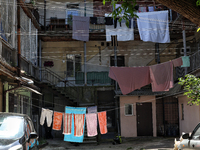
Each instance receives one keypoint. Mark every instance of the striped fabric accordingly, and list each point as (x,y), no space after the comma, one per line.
(67,124)
(78,124)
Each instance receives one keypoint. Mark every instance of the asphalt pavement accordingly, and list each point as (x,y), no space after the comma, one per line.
(137,143)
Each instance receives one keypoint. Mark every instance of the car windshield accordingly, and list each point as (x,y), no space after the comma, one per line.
(11,127)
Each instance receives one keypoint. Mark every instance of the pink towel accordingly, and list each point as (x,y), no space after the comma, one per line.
(102,122)
(130,78)
(161,76)
(91,120)
(177,62)
(78,124)
(67,124)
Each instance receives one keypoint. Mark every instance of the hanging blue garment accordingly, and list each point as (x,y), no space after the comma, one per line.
(71,137)
(186,61)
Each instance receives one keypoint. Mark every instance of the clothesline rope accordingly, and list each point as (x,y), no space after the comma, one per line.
(149,100)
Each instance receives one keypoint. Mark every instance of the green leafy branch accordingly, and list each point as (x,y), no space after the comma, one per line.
(125,11)
(198,2)
(191,86)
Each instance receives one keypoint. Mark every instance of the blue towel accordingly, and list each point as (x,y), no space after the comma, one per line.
(74,110)
(186,61)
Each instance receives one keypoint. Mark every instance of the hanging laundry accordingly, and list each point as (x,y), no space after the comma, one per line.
(151,8)
(81,28)
(123,32)
(130,78)
(102,122)
(71,137)
(186,61)
(57,120)
(153,26)
(67,125)
(109,21)
(93,20)
(91,120)
(92,109)
(177,62)
(79,120)
(100,20)
(161,76)
(46,113)
(142,9)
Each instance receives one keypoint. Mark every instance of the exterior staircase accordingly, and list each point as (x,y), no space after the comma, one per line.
(59,86)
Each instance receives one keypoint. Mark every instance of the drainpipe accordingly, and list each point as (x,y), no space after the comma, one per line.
(184,45)
(18,39)
(40,61)
(85,71)
(13,37)
(44,15)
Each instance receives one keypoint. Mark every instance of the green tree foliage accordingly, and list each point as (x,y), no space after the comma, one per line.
(198,3)
(191,86)
(127,7)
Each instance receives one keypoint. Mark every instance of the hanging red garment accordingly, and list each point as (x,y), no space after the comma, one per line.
(161,76)
(102,122)
(177,62)
(57,120)
(130,78)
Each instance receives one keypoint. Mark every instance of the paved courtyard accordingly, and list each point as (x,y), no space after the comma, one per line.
(139,143)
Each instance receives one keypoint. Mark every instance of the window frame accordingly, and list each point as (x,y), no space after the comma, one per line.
(131,109)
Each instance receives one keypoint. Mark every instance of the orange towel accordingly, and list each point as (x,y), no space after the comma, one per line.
(57,120)
(78,124)
(67,124)
(102,122)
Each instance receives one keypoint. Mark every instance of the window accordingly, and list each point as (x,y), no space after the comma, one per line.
(128,109)
(120,61)
(73,64)
(182,112)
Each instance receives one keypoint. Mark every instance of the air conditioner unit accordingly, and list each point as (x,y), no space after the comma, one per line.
(188,50)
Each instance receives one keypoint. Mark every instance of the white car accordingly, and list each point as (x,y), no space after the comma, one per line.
(189,140)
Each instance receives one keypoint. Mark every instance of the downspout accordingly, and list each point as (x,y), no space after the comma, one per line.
(13,38)
(19,40)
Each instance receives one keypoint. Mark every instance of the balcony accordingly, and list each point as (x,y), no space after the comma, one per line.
(94,78)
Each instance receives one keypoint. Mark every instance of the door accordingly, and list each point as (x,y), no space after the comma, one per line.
(144,119)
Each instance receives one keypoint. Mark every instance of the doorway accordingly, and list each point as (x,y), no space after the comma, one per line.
(144,119)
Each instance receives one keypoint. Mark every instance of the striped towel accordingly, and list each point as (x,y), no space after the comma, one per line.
(67,124)
(78,124)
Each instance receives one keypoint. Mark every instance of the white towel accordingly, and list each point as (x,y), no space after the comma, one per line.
(153,26)
(123,32)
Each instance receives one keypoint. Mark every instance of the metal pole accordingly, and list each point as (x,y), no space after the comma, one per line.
(40,61)
(13,38)
(44,15)
(184,45)
(18,39)
(85,71)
